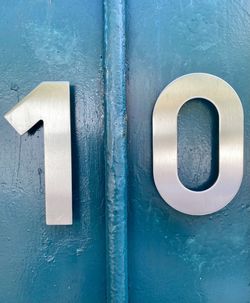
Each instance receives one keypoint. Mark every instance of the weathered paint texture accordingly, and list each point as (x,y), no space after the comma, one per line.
(175,257)
(115,151)
(52,40)
(171,257)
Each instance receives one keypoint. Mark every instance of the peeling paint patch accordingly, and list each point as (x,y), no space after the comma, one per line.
(51,45)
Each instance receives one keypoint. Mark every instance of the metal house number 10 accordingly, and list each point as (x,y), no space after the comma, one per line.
(50,102)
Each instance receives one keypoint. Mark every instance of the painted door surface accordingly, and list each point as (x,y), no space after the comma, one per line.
(46,40)
(126,244)
(174,257)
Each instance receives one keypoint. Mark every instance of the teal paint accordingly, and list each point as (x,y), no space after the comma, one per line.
(171,257)
(52,40)
(115,151)
(175,257)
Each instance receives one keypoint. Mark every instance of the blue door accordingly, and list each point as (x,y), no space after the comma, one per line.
(52,41)
(126,243)
(175,257)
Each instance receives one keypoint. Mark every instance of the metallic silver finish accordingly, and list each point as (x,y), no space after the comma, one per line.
(50,102)
(166,109)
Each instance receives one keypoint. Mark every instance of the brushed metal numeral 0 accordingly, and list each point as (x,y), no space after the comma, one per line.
(228,105)
(50,102)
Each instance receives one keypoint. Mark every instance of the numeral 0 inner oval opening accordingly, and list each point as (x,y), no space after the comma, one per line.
(198,144)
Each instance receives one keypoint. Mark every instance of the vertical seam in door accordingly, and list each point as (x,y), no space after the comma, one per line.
(115,150)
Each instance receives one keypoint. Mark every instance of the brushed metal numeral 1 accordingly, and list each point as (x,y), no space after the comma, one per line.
(230,111)
(50,102)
